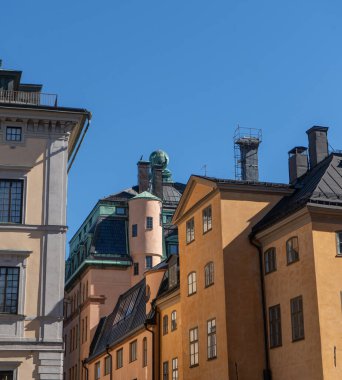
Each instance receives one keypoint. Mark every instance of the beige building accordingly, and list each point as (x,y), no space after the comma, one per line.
(37,140)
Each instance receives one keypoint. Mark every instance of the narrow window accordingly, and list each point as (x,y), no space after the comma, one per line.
(193,337)
(275,326)
(297,318)
(292,250)
(148,262)
(86,329)
(270,260)
(190,230)
(192,283)
(339,243)
(145,352)
(166,371)
(175,369)
(209,274)
(13,134)
(165,324)
(119,358)
(149,223)
(82,332)
(207,221)
(173,320)
(65,344)
(97,370)
(107,366)
(212,342)
(134,230)
(133,351)
(9,285)
(136,269)
(11,199)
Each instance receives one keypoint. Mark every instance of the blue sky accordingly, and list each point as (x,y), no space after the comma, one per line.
(180,75)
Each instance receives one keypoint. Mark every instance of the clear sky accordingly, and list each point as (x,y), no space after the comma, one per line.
(180,75)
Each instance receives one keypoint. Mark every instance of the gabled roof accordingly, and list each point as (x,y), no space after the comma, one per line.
(320,186)
(128,316)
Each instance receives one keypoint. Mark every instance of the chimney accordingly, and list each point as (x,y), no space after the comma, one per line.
(249,157)
(298,163)
(318,144)
(157,181)
(143,175)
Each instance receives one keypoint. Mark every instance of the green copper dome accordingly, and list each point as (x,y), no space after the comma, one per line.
(160,158)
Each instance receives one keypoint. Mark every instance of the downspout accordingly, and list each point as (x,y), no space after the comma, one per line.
(79,329)
(111,362)
(267,374)
(153,349)
(86,369)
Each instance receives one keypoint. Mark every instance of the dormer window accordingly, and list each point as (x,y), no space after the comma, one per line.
(13,133)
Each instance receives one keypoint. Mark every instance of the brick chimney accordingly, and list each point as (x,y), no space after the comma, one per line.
(144,175)
(157,181)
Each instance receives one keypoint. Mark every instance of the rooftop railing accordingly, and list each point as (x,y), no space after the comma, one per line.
(29,98)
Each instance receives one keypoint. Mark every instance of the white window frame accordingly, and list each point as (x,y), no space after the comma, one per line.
(190,230)
(194,346)
(192,283)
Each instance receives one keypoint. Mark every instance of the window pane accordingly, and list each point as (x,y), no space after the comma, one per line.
(297,318)
(9,285)
(11,201)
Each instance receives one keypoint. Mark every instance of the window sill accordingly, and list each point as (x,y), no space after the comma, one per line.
(272,271)
(209,285)
(292,262)
(339,255)
(298,339)
(189,242)
(277,346)
(192,294)
(213,358)
(205,232)
(194,365)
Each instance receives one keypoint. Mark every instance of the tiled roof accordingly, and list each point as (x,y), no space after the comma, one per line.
(322,185)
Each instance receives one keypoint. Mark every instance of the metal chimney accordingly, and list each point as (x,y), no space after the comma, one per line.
(298,163)
(318,144)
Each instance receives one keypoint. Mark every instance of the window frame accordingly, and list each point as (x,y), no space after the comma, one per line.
(211,336)
(107,367)
(174,320)
(134,230)
(289,258)
(207,219)
(209,274)
(192,283)
(145,352)
(149,223)
(270,265)
(3,302)
(136,269)
(148,258)
(190,230)
(297,316)
(166,370)
(338,243)
(119,358)
(274,325)
(133,352)
(165,324)
(194,347)
(10,211)
(15,140)
(97,370)
(175,368)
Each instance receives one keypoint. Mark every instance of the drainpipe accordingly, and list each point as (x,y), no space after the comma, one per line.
(153,349)
(79,328)
(267,371)
(86,368)
(111,362)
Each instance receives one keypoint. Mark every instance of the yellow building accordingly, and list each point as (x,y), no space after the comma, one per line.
(37,139)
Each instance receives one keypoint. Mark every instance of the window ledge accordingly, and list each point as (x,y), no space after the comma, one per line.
(292,262)
(189,242)
(205,232)
(209,285)
(194,365)
(274,270)
(213,358)
(298,339)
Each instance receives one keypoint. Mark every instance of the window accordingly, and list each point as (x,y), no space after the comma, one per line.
(133,351)
(270,260)
(192,284)
(107,365)
(207,225)
(190,230)
(97,370)
(134,230)
(148,262)
(11,199)
(209,274)
(339,243)
(173,320)
(145,352)
(193,337)
(136,269)
(292,250)
(275,326)
(175,369)
(212,343)
(166,371)
(9,285)
(173,249)
(173,276)
(13,134)
(119,358)
(86,329)
(297,318)
(165,324)
(149,223)
(120,211)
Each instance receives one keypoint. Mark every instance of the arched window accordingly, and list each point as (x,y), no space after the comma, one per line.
(145,352)
(173,320)
(192,283)
(209,274)
(292,250)
(165,324)
(270,260)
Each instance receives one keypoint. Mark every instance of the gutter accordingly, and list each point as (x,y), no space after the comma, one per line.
(267,373)
(111,362)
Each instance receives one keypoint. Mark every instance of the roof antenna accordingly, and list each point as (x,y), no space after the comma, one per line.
(204,167)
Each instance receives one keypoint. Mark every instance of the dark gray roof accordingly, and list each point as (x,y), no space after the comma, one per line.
(322,185)
(127,317)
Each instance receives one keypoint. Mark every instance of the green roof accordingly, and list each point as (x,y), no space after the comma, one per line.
(146,195)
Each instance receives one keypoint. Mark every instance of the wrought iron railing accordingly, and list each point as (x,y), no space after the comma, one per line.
(31,98)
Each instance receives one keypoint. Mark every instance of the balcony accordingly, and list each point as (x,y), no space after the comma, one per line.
(28,98)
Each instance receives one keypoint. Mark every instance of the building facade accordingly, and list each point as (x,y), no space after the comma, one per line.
(37,139)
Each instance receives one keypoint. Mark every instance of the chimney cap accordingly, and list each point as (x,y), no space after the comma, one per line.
(298,149)
(317,128)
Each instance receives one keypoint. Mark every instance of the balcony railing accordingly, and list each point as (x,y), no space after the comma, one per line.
(31,98)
